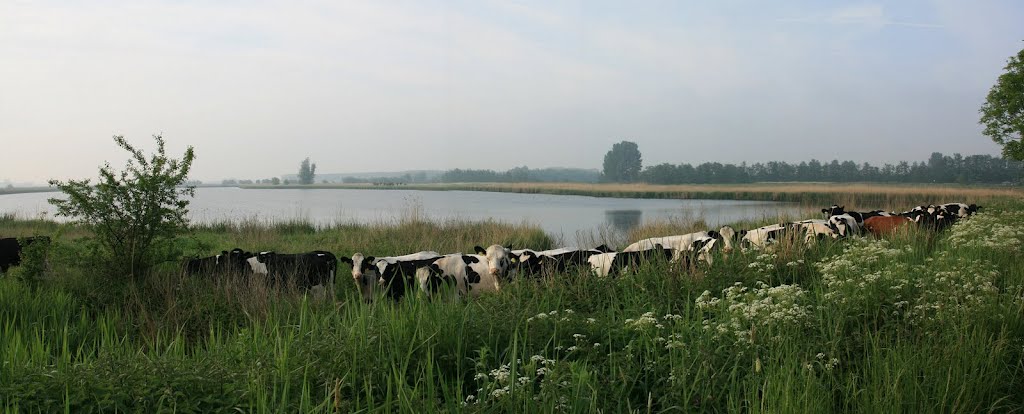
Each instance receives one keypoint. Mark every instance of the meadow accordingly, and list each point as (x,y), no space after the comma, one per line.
(919,322)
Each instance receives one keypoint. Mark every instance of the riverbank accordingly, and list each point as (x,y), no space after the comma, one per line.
(855,195)
(852,326)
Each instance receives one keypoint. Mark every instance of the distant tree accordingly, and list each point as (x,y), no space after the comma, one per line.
(623,162)
(135,214)
(275,181)
(1002,114)
(307,172)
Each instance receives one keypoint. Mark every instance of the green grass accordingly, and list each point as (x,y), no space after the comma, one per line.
(923,323)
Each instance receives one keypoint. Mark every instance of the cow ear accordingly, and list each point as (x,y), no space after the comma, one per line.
(470,259)
(742,233)
(479,250)
(435,269)
(714,234)
(369,259)
(824,210)
(346,259)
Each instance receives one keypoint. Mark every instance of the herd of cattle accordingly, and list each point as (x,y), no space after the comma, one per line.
(486,269)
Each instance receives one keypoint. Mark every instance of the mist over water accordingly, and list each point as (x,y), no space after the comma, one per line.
(566,218)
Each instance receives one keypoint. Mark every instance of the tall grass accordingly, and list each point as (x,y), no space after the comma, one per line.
(918,323)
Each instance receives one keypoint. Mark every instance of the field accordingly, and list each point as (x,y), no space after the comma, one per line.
(921,322)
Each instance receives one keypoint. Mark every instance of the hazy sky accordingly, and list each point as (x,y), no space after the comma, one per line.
(256,86)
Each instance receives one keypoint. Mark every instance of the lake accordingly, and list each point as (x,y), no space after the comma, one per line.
(564,217)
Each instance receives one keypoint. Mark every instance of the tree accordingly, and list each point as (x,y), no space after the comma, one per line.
(307,172)
(136,213)
(1002,114)
(623,162)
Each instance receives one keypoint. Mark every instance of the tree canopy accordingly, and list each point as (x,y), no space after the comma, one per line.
(307,172)
(1002,114)
(623,162)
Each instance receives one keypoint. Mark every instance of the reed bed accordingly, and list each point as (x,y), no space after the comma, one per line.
(915,323)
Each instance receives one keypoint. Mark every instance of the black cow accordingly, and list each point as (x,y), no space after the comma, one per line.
(10,250)
(614,263)
(305,270)
(837,210)
(234,262)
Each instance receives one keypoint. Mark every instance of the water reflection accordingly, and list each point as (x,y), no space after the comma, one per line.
(623,220)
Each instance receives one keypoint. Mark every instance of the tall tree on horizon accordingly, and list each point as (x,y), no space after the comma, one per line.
(1002,114)
(307,172)
(623,163)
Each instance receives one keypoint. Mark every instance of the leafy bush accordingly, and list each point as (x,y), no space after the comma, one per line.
(135,213)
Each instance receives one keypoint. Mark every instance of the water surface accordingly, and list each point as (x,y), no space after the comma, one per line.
(567,217)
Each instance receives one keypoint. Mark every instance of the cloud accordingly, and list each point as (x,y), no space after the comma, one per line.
(870,15)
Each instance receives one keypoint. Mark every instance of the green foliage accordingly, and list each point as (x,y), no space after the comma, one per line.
(307,172)
(622,163)
(33,261)
(1002,114)
(136,213)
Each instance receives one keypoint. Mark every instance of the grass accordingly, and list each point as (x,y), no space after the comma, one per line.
(917,323)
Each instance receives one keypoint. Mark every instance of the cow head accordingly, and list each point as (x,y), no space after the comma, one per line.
(499,258)
(364,273)
(840,225)
(728,237)
(973,208)
(834,210)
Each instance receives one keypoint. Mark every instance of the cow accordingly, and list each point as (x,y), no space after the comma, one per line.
(959,210)
(227,262)
(306,270)
(699,243)
(10,249)
(466,274)
(844,225)
(884,225)
(498,259)
(364,273)
(555,260)
(762,237)
(614,263)
(815,230)
(859,217)
(395,273)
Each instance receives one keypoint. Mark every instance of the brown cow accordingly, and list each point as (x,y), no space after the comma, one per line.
(883,225)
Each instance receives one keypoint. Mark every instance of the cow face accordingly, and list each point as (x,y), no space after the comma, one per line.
(364,273)
(834,210)
(498,258)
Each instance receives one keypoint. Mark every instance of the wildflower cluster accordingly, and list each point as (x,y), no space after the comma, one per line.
(955,286)
(536,378)
(1001,231)
(867,275)
(748,316)
(764,262)
(820,363)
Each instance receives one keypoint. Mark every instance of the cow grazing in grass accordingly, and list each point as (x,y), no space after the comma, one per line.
(885,225)
(762,237)
(816,230)
(10,249)
(844,225)
(227,262)
(698,243)
(305,270)
(615,263)
(555,260)
(461,274)
(393,273)
(959,210)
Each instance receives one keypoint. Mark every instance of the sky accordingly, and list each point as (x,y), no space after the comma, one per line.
(257,86)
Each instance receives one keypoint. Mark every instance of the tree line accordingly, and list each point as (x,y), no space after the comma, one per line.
(939,168)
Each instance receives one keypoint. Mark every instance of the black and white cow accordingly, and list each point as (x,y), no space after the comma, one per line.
(815,230)
(959,210)
(554,261)
(845,225)
(699,243)
(460,274)
(397,273)
(305,270)
(615,263)
(10,249)
(227,262)
(859,217)
(762,237)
